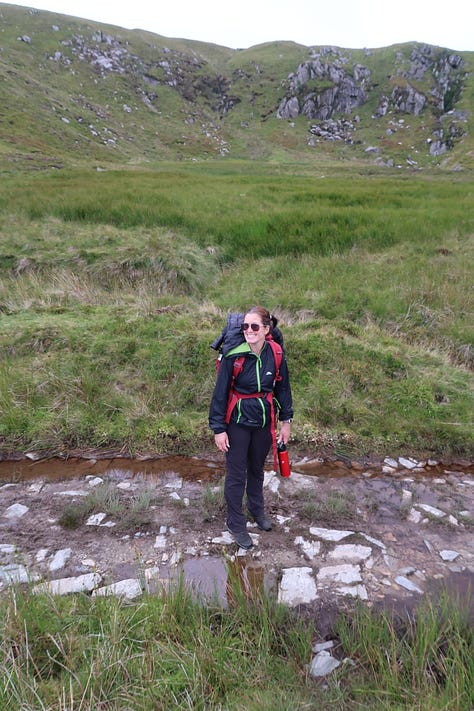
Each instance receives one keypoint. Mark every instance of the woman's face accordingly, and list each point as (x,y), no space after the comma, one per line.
(254,336)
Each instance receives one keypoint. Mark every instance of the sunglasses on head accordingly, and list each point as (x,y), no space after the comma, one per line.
(254,326)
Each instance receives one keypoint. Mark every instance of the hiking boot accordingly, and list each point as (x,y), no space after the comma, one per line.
(242,538)
(264,523)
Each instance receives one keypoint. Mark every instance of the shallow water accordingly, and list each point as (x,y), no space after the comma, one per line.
(57,469)
(190,468)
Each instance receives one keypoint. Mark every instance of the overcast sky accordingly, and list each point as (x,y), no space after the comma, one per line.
(243,23)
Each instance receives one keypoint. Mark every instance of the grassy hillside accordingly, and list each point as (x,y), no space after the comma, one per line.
(74,92)
(113,285)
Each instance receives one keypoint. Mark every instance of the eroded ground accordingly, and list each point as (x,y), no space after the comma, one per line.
(388,531)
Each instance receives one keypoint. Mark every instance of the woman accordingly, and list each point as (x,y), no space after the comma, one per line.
(245,434)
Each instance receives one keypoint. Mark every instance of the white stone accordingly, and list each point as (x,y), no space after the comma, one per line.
(391,462)
(14,573)
(34,456)
(407,584)
(271,481)
(352,551)
(36,487)
(329,534)
(41,555)
(407,463)
(322,664)
(297,587)
(128,589)
(414,516)
(359,591)
(175,484)
(453,520)
(16,511)
(175,496)
(160,541)
(151,573)
(347,574)
(89,563)
(407,496)
(95,519)
(282,519)
(322,646)
(437,513)
(449,555)
(226,538)
(388,470)
(124,485)
(468,482)
(66,586)
(7,548)
(60,559)
(310,548)
(94,480)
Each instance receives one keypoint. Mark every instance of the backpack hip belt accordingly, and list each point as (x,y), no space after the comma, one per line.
(235,396)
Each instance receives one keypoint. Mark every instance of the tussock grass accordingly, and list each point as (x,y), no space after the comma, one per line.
(422,660)
(127,512)
(170,651)
(106,316)
(336,509)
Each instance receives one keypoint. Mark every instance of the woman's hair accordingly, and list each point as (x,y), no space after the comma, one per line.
(267,318)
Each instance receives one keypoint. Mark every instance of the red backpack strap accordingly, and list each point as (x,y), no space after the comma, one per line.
(278,356)
(232,400)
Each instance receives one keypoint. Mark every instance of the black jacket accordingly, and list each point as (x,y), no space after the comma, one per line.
(257,375)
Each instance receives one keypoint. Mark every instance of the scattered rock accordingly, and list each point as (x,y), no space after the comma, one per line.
(323,664)
(297,587)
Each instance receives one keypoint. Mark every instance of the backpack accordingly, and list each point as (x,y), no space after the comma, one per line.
(231,336)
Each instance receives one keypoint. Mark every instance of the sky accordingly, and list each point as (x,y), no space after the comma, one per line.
(352,24)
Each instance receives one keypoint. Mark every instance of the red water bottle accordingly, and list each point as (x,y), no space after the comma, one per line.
(283,460)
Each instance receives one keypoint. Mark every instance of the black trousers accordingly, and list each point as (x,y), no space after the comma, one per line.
(245,460)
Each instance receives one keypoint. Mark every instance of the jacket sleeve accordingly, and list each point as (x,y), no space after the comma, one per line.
(283,393)
(218,407)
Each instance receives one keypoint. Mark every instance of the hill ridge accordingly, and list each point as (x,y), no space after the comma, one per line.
(76,91)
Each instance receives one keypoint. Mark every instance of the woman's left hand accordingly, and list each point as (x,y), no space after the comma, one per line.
(285,429)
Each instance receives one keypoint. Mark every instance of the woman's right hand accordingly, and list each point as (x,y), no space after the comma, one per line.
(222,441)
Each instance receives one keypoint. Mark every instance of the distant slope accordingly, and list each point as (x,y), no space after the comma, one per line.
(73,91)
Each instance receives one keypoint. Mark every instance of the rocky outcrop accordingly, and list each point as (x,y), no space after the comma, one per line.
(319,89)
(327,85)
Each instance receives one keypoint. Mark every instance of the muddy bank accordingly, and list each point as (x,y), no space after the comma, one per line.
(386,532)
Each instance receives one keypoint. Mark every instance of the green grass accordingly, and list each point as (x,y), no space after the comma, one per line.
(423,660)
(127,513)
(113,285)
(169,651)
